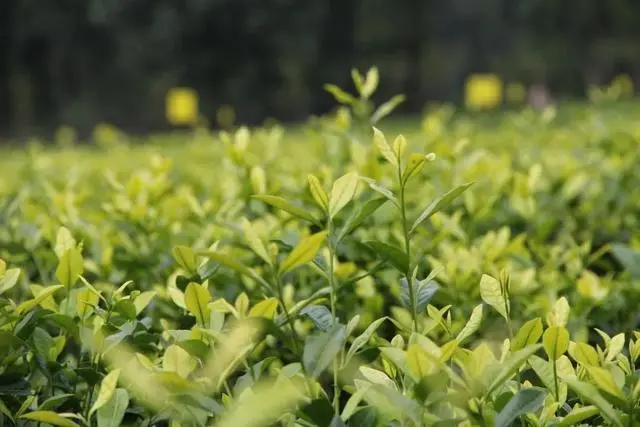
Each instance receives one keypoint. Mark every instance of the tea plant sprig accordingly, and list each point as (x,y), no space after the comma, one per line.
(417,293)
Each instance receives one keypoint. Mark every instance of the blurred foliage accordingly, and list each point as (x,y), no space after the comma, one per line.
(83,62)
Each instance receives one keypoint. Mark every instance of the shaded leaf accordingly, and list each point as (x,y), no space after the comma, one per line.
(320,349)
(525,401)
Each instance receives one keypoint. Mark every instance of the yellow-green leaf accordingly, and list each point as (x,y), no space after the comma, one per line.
(49,417)
(186,258)
(555,341)
(318,192)
(605,381)
(615,346)
(418,361)
(70,267)
(304,252)
(280,203)
(559,314)
(585,354)
(528,334)
(399,145)
(590,394)
(383,146)
(370,82)
(86,300)
(254,241)
(143,300)
(29,304)
(472,325)
(414,165)
(491,293)
(178,360)
(266,308)
(196,298)
(107,387)
(343,190)
(64,241)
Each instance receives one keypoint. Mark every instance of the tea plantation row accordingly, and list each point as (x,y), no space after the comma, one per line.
(464,272)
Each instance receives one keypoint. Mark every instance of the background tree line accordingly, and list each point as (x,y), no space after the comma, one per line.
(79,62)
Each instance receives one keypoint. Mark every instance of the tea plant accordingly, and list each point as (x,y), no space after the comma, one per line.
(467,273)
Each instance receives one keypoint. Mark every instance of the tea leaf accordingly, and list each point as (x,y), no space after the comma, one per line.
(615,346)
(559,316)
(419,363)
(585,354)
(64,242)
(395,256)
(590,394)
(320,315)
(29,304)
(263,406)
(320,349)
(577,415)
(511,365)
(186,258)
(196,299)
(472,325)
(386,108)
(384,148)
(265,308)
(112,413)
(491,293)
(286,206)
(49,417)
(340,95)
(9,280)
(318,192)
(528,334)
(605,381)
(361,213)
(70,267)
(525,401)
(362,339)
(399,146)
(178,360)
(342,192)
(440,203)
(370,83)
(556,341)
(107,388)
(304,252)
(255,243)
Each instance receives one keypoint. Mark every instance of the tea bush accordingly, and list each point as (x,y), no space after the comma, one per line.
(474,270)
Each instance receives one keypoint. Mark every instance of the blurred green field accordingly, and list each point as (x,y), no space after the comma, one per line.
(546,234)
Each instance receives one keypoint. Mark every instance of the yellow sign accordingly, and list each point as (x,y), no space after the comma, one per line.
(483,91)
(182,106)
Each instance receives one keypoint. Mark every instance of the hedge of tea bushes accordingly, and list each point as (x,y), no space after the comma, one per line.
(461,270)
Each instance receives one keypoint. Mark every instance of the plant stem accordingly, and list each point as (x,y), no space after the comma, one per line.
(294,334)
(555,380)
(407,248)
(333,297)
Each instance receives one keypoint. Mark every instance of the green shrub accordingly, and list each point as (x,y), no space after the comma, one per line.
(469,272)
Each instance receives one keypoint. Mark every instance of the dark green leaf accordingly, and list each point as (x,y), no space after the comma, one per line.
(320,349)
(395,256)
(525,401)
(320,315)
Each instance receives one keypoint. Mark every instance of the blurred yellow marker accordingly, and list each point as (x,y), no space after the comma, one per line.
(483,91)
(182,106)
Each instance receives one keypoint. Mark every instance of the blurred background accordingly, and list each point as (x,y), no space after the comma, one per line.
(81,62)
